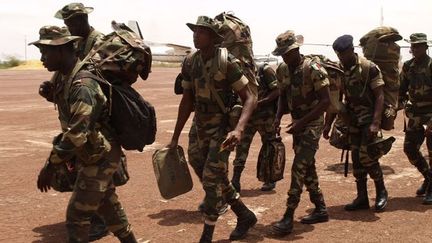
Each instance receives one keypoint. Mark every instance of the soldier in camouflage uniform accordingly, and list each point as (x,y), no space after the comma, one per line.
(416,92)
(363,90)
(86,137)
(307,99)
(75,17)
(204,86)
(261,121)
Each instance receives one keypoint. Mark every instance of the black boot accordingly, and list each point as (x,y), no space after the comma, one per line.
(362,200)
(285,225)
(428,197)
(268,186)
(246,219)
(320,212)
(235,181)
(98,229)
(207,234)
(130,238)
(421,191)
(381,195)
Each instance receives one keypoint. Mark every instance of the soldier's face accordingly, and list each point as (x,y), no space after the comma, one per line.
(419,49)
(50,57)
(346,57)
(76,24)
(291,57)
(202,38)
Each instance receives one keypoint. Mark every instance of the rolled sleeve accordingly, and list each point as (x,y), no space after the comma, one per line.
(240,84)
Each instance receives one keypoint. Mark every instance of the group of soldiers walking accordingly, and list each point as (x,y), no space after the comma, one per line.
(215,84)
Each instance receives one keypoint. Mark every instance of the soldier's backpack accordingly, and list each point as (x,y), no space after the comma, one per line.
(335,74)
(271,161)
(120,56)
(172,172)
(238,41)
(132,117)
(379,46)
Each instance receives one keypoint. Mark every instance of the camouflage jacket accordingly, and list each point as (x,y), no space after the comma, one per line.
(267,82)
(301,93)
(416,85)
(83,115)
(357,86)
(85,45)
(199,75)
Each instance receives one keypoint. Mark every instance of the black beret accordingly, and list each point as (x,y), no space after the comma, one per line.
(343,43)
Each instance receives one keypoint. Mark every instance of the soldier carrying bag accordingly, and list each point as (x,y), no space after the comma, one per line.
(172,172)
(271,161)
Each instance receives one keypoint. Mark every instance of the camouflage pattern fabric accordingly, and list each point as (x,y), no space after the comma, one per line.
(262,118)
(85,45)
(302,97)
(303,170)
(416,90)
(194,153)
(301,93)
(212,125)
(362,164)
(358,91)
(87,138)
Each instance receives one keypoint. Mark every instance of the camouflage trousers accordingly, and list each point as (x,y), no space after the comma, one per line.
(414,138)
(362,165)
(214,162)
(94,193)
(262,125)
(303,170)
(194,154)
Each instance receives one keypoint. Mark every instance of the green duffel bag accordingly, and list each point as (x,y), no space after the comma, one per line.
(271,161)
(172,172)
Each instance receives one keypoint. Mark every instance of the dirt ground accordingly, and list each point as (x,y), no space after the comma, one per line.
(28,124)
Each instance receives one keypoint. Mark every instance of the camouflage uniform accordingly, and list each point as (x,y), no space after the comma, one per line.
(88,139)
(301,95)
(416,92)
(212,126)
(261,120)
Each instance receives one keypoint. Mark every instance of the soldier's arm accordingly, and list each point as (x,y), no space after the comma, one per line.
(271,80)
(403,89)
(376,85)
(83,101)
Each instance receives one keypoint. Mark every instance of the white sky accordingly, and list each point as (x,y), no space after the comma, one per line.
(164,21)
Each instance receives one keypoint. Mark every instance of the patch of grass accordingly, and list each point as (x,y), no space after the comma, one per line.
(10,61)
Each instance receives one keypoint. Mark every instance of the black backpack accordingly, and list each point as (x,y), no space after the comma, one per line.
(132,117)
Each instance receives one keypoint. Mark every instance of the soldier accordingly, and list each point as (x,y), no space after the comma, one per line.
(416,92)
(75,17)
(261,121)
(304,91)
(86,137)
(363,90)
(204,87)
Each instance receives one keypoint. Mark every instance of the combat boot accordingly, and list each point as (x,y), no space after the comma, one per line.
(381,195)
(130,238)
(427,200)
(362,200)
(319,214)
(235,181)
(285,225)
(268,186)
(421,191)
(98,229)
(207,234)
(246,219)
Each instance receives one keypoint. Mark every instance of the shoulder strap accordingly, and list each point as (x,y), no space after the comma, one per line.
(223,60)
(307,69)
(90,41)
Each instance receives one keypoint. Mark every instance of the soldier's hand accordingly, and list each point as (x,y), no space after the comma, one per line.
(46,90)
(233,138)
(276,125)
(44,178)
(173,144)
(295,127)
(373,130)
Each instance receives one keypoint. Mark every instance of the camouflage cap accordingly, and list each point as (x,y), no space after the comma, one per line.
(286,42)
(54,36)
(379,147)
(206,22)
(417,38)
(72,9)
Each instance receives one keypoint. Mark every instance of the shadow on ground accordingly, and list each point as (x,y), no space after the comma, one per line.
(172,217)
(51,233)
